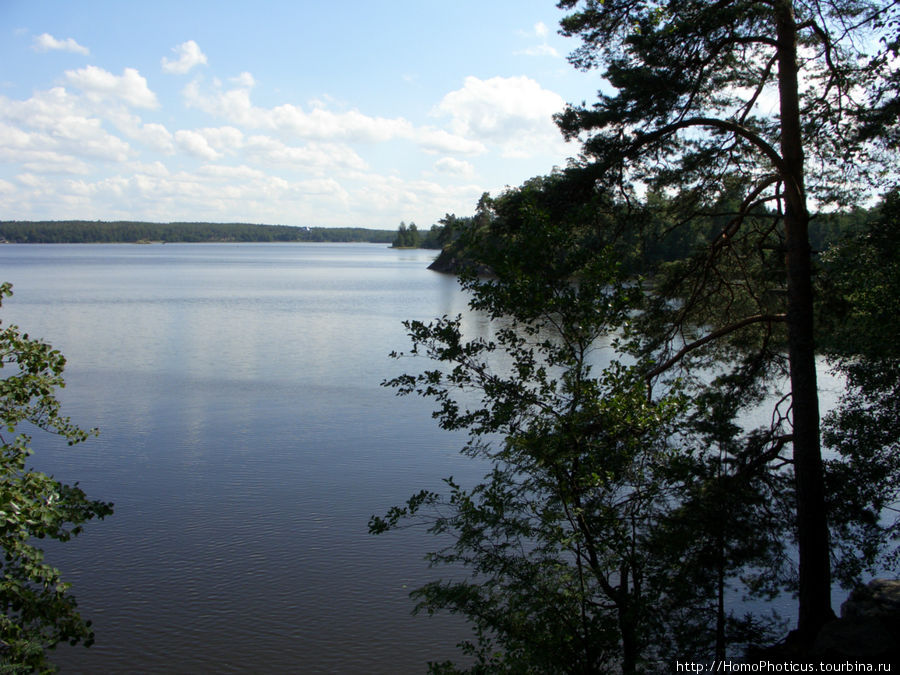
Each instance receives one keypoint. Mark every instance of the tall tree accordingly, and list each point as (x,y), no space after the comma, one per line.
(556,534)
(740,98)
(402,238)
(606,531)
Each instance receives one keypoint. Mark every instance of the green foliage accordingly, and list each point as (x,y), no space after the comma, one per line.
(439,236)
(686,77)
(407,236)
(712,509)
(860,309)
(38,611)
(612,522)
(653,231)
(858,290)
(593,478)
(446,231)
(683,117)
(623,506)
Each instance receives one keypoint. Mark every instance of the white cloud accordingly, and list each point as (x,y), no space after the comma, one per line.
(32,181)
(42,111)
(155,136)
(514,113)
(540,31)
(12,138)
(157,168)
(150,191)
(52,162)
(327,187)
(46,42)
(392,197)
(152,135)
(189,55)
(53,121)
(539,50)
(95,142)
(439,140)
(319,123)
(195,144)
(37,152)
(130,87)
(244,80)
(319,162)
(211,193)
(454,167)
(224,139)
(242,173)
(312,158)
(233,105)
(325,124)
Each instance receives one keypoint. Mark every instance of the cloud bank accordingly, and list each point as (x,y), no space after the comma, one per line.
(123,146)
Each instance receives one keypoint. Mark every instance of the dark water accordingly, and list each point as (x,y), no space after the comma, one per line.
(245,441)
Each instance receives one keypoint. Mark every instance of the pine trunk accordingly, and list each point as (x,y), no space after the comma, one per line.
(812,527)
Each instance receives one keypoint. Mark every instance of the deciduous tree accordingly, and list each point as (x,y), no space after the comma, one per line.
(38,611)
(606,531)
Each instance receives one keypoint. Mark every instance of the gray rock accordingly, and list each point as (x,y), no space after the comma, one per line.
(869,628)
(880,599)
(868,632)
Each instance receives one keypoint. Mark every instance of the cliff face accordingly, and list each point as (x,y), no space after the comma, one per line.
(451,262)
(445,263)
(869,628)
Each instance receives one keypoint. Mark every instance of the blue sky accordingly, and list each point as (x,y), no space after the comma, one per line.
(357,113)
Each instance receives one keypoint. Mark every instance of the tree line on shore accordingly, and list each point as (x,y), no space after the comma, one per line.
(826,229)
(98,232)
(409,236)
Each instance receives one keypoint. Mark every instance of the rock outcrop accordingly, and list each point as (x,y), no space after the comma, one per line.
(869,628)
(868,632)
(452,262)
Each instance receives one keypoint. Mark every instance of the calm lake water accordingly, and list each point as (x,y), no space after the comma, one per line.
(246,441)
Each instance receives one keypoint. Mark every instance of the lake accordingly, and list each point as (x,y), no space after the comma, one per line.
(245,440)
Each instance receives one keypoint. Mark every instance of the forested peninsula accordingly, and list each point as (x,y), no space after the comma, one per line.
(105,232)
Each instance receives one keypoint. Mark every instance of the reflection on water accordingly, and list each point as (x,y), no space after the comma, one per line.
(245,441)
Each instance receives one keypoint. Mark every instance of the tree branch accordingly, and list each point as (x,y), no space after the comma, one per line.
(795,192)
(725,330)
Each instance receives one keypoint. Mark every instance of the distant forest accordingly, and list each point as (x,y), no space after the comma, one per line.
(95,232)
(824,229)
